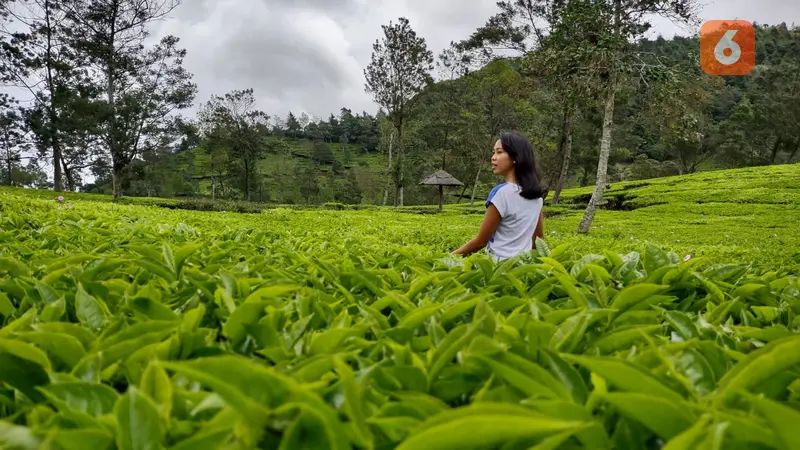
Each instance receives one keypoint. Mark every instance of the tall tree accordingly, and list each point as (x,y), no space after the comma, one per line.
(607,49)
(232,122)
(522,27)
(141,85)
(293,127)
(399,69)
(437,123)
(676,111)
(11,141)
(776,111)
(40,60)
(494,103)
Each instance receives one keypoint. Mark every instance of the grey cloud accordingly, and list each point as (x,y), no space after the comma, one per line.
(198,12)
(279,63)
(339,8)
(309,55)
(305,55)
(294,58)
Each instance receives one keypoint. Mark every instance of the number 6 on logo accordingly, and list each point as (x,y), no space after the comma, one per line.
(727,43)
(727,47)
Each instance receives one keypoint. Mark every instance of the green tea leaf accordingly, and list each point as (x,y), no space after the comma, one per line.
(81,439)
(758,366)
(654,258)
(354,401)
(483,425)
(156,385)
(90,398)
(781,418)
(629,296)
(139,427)
(248,387)
(626,376)
(91,312)
(205,440)
(665,418)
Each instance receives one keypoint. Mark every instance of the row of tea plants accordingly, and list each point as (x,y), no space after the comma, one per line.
(121,331)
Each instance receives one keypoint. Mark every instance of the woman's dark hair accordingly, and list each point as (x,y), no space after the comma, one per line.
(526,168)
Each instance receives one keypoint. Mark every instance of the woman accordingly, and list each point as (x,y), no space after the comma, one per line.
(514,210)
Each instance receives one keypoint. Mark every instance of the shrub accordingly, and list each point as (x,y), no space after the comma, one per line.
(126,326)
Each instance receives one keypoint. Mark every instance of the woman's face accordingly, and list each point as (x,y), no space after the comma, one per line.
(501,161)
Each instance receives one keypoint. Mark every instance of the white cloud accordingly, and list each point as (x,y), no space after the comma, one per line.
(310,55)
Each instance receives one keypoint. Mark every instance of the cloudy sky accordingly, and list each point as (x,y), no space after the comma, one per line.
(309,55)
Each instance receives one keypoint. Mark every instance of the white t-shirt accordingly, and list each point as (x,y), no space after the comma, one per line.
(519,217)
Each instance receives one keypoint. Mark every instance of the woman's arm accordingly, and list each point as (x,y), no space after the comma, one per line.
(490,221)
(539,228)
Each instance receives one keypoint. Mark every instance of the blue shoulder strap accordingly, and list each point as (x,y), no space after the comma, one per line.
(493,193)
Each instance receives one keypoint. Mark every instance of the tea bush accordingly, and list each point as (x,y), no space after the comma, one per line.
(139,327)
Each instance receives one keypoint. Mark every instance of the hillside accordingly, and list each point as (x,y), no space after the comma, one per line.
(738,121)
(289,158)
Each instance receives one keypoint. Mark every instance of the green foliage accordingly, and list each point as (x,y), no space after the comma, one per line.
(399,69)
(132,326)
(138,85)
(234,128)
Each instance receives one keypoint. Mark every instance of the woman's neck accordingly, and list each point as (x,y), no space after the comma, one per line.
(510,178)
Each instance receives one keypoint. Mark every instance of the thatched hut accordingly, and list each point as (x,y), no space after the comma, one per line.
(441,178)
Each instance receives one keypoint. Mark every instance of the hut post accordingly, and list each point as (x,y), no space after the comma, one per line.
(441,197)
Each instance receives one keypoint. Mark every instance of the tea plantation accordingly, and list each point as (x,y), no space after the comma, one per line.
(672,325)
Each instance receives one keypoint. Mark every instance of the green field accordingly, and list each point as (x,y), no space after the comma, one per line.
(131,325)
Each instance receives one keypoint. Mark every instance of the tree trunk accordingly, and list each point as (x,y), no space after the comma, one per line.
(551,173)
(118,157)
(400,191)
(562,177)
(7,146)
(388,170)
(794,152)
(8,163)
(400,160)
(475,186)
(116,180)
(774,152)
(51,107)
(585,177)
(683,159)
(57,174)
(602,165)
(246,180)
(461,195)
(69,174)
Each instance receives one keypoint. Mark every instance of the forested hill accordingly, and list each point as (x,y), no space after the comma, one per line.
(662,125)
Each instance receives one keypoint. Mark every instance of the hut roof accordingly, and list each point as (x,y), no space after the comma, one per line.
(441,178)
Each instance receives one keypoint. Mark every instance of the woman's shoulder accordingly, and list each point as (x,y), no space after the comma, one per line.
(497,188)
(493,194)
(506,187)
